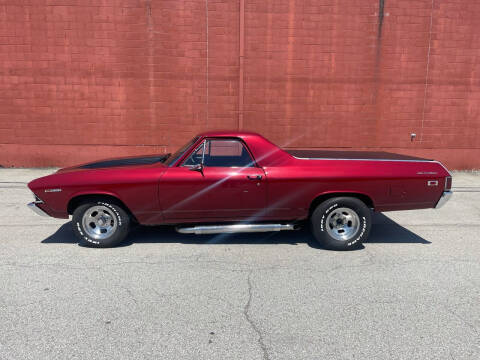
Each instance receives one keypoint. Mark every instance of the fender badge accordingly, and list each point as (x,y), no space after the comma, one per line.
(427,173)
(53,190)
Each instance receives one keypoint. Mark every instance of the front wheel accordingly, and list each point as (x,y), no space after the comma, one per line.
(100,224)
(341,223)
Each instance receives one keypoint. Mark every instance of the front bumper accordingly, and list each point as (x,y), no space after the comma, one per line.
(36,209)
(443,199)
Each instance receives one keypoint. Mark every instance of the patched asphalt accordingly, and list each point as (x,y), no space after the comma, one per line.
(413,291)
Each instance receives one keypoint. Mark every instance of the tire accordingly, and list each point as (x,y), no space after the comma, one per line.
(100,224)
(341,223)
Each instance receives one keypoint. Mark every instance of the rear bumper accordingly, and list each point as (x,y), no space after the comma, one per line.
(36,209)
(443,199)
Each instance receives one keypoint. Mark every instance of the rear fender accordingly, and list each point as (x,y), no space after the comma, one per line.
(319,198)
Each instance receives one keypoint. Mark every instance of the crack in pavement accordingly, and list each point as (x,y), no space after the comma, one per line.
(462,319)
(130,293)
(255,328)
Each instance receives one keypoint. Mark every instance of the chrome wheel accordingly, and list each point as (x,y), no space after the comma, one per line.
(99,222)
(342,224)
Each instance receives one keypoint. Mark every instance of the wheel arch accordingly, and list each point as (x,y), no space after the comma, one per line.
(79,199)
(367,200)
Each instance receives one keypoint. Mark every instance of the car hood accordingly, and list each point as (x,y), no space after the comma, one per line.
(118,162)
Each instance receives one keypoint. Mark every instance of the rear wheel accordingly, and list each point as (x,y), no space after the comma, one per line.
(341,223)
(100,224)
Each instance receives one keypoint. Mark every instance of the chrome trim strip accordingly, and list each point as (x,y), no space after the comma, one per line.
(203,151)
(237,228)
(366,159)
(443,199)
(427,173)
(395,160)
(36,209)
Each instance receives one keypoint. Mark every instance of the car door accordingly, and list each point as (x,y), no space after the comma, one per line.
(219,180)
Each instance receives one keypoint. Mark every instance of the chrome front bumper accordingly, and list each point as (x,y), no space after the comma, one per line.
(443,199)
(36,209)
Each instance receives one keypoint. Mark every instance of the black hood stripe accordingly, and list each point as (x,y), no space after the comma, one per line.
(144,160)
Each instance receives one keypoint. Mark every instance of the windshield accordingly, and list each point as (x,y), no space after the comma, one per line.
(178,154)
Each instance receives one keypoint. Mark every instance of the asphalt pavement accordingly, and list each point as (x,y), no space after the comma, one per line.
(413,291)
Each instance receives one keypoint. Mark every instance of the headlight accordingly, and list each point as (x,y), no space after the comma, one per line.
(36,199)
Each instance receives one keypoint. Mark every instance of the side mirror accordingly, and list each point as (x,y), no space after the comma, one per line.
(197,167)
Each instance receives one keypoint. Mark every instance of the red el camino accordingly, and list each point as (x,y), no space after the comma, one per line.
(222,182)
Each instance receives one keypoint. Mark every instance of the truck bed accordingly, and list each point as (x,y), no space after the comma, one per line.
(351,155)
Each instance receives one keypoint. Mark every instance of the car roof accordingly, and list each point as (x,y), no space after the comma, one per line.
(228,133)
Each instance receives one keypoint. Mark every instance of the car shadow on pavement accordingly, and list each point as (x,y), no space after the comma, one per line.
(384,230)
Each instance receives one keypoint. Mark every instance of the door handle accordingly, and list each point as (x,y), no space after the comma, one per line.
(254,177)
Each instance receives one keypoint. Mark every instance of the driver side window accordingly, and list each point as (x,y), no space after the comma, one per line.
(196,157)
(220,153)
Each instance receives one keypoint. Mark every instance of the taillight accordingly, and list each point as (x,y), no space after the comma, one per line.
(448,183)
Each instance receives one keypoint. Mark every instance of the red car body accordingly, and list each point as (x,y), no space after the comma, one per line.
(280,186)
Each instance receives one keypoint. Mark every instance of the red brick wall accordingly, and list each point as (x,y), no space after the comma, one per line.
(86,79)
